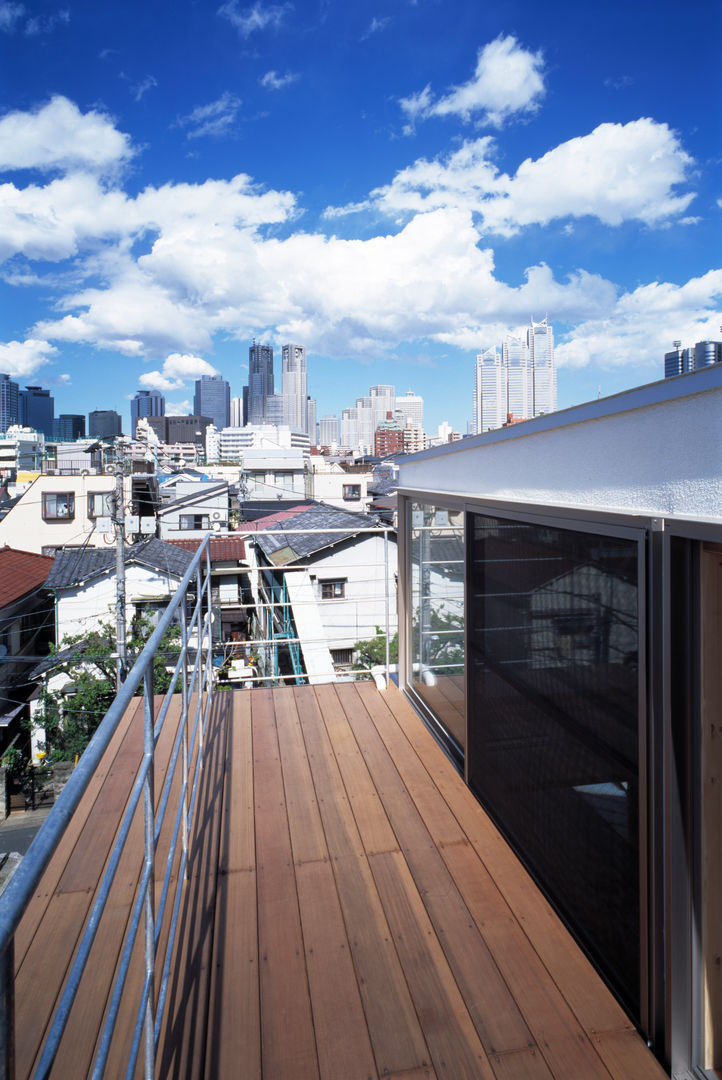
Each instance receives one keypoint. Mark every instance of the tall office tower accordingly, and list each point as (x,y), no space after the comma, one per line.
(328,431)
(674,361)
(383,400)
(212,398)
(411,407)
(9,402)
(515,356)
(349,428)
(274,410)
(37,409)
(540,342)
(260,381)
(366,424)
(104,424)
(237,417)
(293,387)
(146,403)
(69,426)
(707,353)
(490,394)
(311,415)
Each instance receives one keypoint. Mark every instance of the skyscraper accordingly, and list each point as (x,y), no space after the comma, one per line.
(293,387)
(104,423)
(260,381)
(540,341)
(68,427)
(383,401)
(515,354)
(411,407)
(212,398)
(9,402)
(146,403)
(328,430)
(37,409)
(490,395)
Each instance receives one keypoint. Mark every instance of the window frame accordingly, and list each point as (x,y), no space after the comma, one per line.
(333,584)
(55,496)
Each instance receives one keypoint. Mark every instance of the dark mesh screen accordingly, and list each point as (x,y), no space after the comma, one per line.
(553,721)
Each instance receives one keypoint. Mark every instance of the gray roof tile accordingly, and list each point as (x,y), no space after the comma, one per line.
(315,520)
(73,567)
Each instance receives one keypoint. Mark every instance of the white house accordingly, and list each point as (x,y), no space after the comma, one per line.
(329,482)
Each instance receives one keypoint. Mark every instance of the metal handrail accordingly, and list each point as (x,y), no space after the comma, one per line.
(27,877)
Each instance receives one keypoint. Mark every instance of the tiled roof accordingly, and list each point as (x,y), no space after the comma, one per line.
(20,573)
(266,521)
(222,548)
(74,567)
(282,548)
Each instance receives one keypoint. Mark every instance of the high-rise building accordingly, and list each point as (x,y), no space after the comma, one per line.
(389,436)
(328,431)
(680,361)
(411,407)
(237,414)
(383,401)
(212,398)
(37,409)
(521,382)
(515,354)
(293,387)
(490,395)
(146,403)
(540,342)
(68,426)
(260,381)
(311,415)
(9,402)
(104,424)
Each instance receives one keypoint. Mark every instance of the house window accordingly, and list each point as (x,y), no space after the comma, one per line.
(352,492)
(58,505)
(342,657)
(99,504)
(333,590)
(194,521)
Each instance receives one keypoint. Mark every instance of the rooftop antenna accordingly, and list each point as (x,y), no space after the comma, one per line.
(677,344)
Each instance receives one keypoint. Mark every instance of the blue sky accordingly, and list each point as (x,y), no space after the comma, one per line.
(394,184)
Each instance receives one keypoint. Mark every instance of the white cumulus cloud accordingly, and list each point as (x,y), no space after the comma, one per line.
(177,370)
(59,136)
(249,20)
(508,81)
(23,358)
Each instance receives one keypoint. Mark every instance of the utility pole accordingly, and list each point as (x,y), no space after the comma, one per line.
(119,522)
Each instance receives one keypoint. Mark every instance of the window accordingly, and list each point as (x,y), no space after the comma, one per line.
(194,521)
(352,492)
(58,506)
(333,590)
(342,657)
(99,504)
(553,720)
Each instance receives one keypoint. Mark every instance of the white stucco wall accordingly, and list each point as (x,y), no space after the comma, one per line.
(656,450)
(80,610)
(24,527)
(362,565)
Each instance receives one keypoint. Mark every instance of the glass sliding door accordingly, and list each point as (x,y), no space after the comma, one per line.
(436,587)
(552,648)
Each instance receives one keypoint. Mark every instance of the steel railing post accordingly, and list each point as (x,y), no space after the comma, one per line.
(149,808)
(386,603)
(184,725)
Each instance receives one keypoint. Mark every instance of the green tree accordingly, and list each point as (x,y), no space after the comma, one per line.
(372,651)
(71,715)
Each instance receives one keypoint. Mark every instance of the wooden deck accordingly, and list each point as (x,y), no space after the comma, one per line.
(351,913)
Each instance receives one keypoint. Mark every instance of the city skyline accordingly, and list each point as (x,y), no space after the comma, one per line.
(396,188)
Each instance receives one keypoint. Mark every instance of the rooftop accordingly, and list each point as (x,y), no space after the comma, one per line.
(75,566)
(20,573)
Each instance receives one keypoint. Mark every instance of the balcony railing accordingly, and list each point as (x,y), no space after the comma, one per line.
(192,677)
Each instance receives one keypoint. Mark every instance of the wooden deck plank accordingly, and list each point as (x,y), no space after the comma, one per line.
(48,883)
(234,1014)
(306,831)
(287,1043)
(593,1004)
(344,1048)
(456,1050)
(494,1011)
(520,1065)
(371,819)
(398,1043)
(625,1055)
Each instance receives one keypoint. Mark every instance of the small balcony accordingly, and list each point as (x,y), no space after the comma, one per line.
(347,910)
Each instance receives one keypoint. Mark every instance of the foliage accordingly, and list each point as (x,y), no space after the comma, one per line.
(71,715)
(372,651)
(14,762)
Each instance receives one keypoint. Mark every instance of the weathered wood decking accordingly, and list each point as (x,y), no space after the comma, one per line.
(351,913)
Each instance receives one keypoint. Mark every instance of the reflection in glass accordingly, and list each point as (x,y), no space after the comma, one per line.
(437,603)
(553,721)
